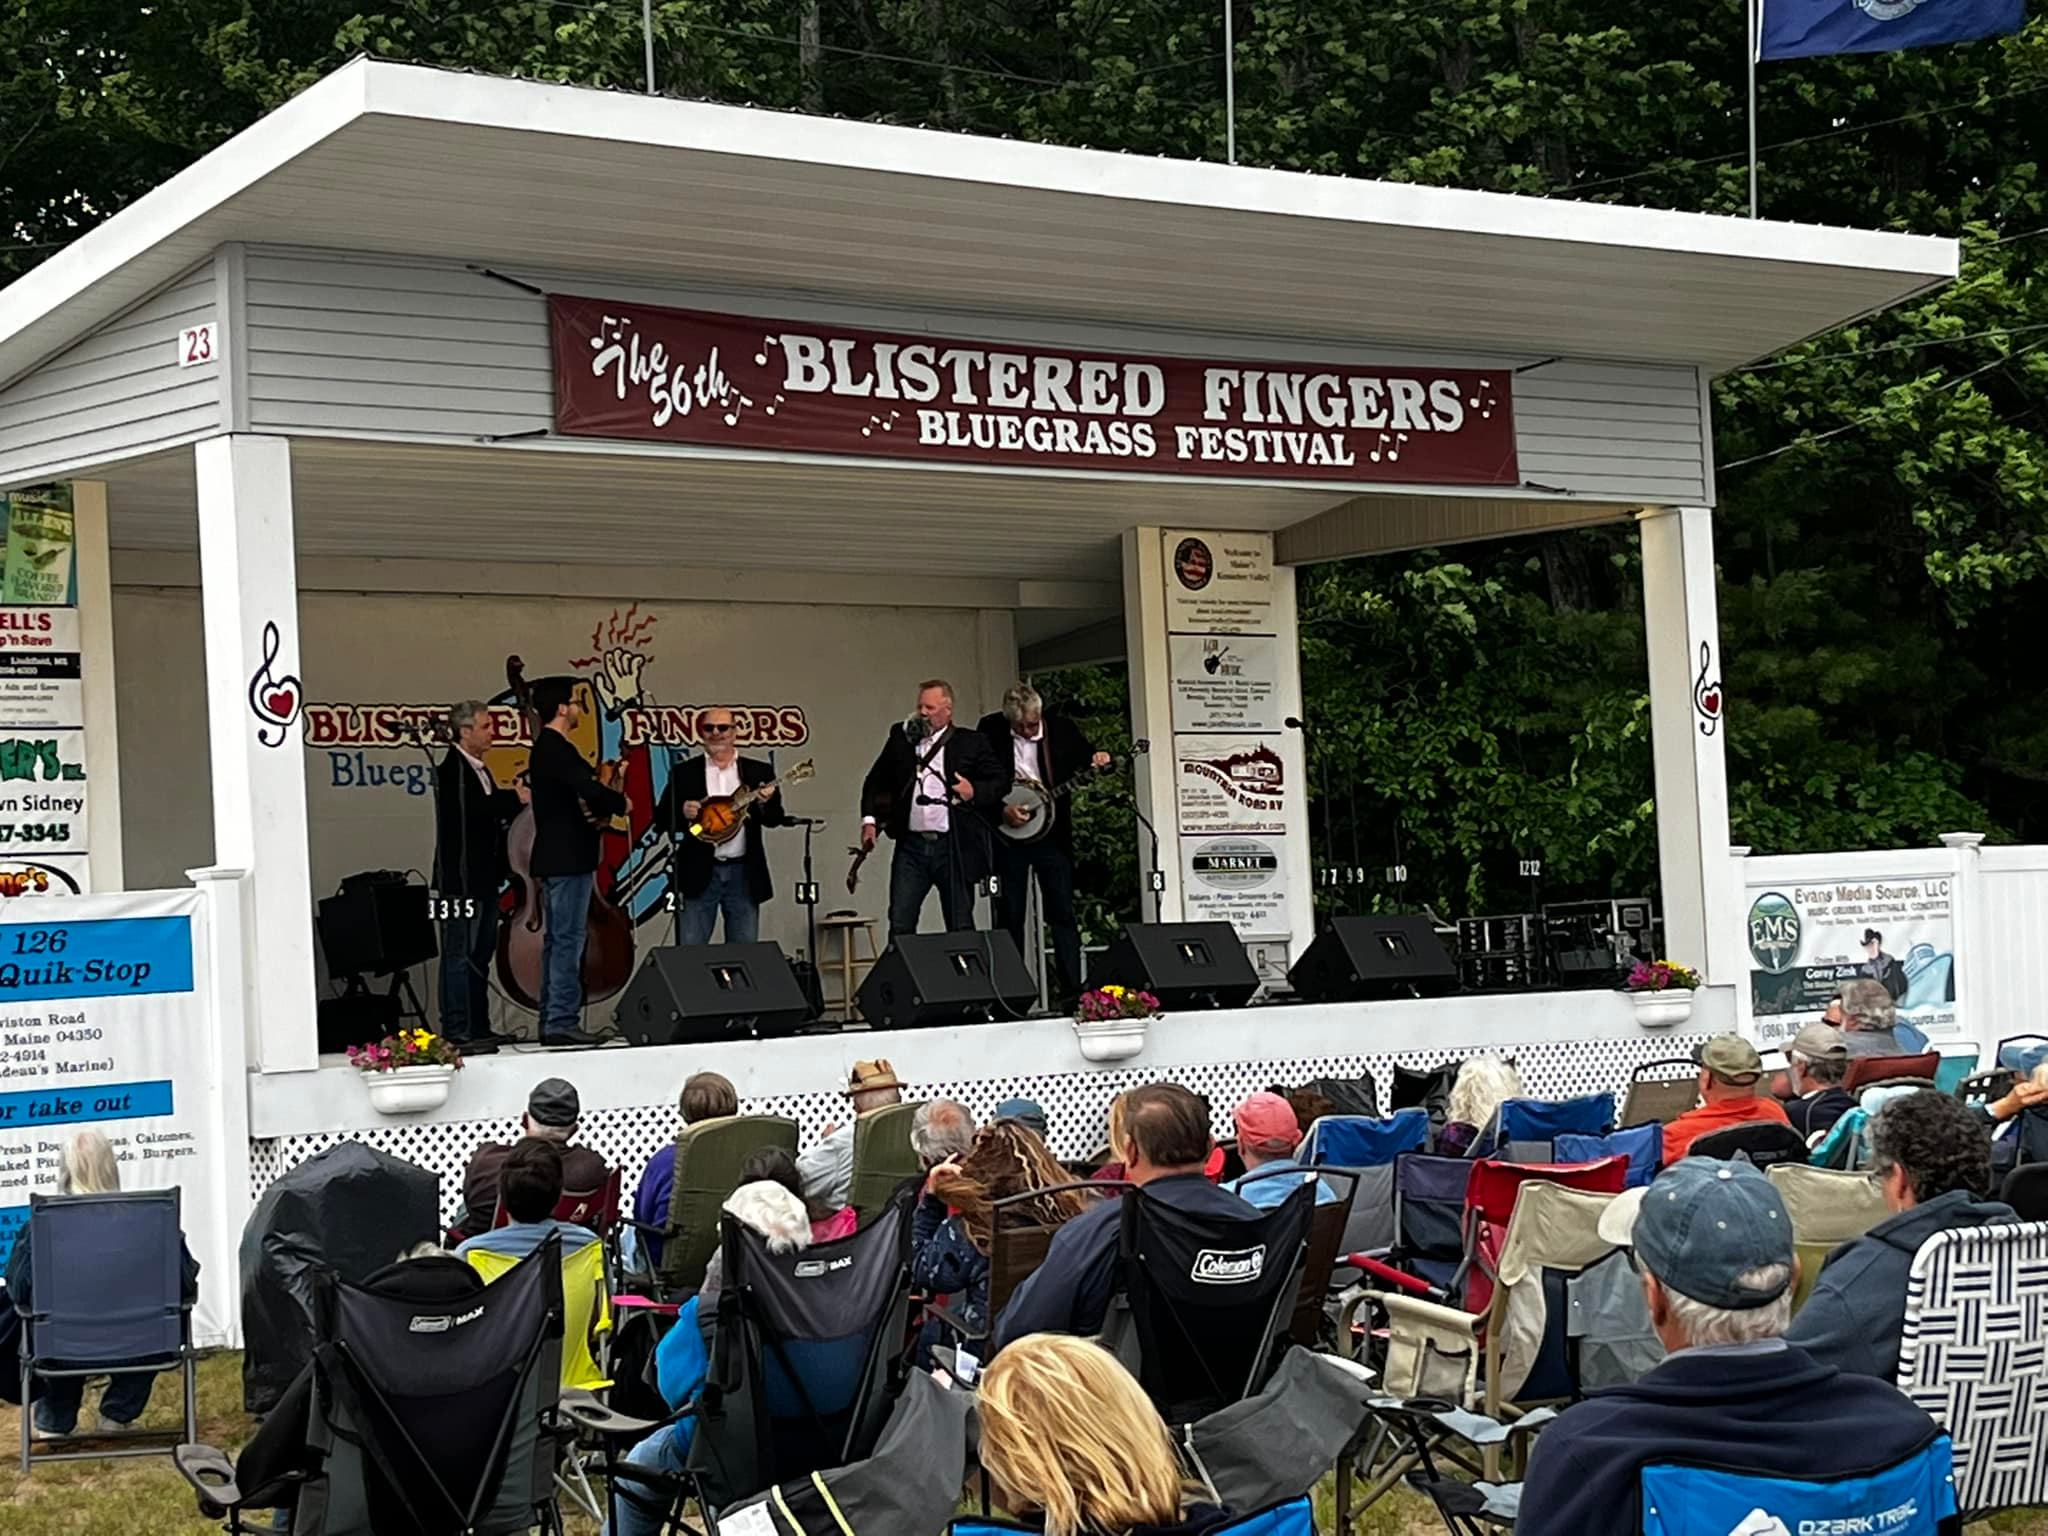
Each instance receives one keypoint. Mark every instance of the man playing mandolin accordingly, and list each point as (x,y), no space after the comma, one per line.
(1049,754)
(729,876)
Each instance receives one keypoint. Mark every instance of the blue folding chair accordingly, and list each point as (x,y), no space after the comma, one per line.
(1366,1148)
(1642,1145)
(1294,1518)
(1954,1070)
(1915,1497)
(106,1295)
(1523,1129)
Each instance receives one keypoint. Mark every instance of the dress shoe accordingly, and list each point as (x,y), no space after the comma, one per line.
(571,1037)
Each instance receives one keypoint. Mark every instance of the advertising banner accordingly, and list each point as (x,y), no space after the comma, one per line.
(41,546)
(101,1026)
(1219,583)
(43,844)
(1236,880)
(735,381)
(1225,682)
(1809,937)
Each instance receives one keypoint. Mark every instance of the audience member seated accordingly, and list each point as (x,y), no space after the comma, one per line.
(827,1168)
(1870,1021)
(1165,1147)
(1070,1438)
(706,1096)
(552,1114)
(773,1165)
(1932,1159)
(954,1228)
(1482,1085)
(1308,1105)
(1026,1112)
(2029,1092)
(1112,1171)
(1732,1092)
(85,1166)
(1819,1058)
(1714,1246)
(531,1187)
(1267,1134)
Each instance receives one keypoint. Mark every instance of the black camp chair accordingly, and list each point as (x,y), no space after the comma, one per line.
(427,1409)
(1765,1143)
(1203,1303)
(106,1295)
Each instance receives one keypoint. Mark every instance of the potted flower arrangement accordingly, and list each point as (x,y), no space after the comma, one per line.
(1110,1022)
(406,1073)
(1662,990)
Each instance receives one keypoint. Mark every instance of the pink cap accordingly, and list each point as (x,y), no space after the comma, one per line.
(1266,1123)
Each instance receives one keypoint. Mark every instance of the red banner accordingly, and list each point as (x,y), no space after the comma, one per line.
(683,376)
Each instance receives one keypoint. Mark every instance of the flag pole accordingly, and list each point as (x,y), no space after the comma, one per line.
(647,36)
(1229,83)
(1753,7)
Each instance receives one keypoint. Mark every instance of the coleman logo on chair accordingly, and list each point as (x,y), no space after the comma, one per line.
(1218,1266)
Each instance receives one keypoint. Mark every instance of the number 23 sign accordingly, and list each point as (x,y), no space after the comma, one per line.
(198,345)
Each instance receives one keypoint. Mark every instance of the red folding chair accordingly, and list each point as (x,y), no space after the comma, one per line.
(1490,1204)
(597,1209)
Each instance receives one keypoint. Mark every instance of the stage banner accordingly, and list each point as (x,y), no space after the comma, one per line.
(43,844)
(736,381)
(102,1026)
(1807,938)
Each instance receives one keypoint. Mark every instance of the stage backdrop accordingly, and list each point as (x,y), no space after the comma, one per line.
(806,682)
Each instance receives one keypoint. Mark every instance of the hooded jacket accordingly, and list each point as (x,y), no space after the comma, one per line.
(1774,1413)
(1857,1312)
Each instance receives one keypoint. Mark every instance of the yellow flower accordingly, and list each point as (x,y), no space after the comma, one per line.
(421,1039)
(1114,990)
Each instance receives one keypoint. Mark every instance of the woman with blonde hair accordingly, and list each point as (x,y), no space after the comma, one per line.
(1482,1084)
(1065,1430)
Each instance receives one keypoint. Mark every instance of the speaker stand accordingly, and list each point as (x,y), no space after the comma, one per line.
(400,992)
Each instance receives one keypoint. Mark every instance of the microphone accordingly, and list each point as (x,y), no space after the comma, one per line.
(915,728)
(1293,724)
(1141,746)
(806,821)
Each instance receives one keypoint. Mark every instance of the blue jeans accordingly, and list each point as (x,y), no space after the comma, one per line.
(567,924)
(641,1505)
(126,1396)
(726,893)
(919,864)
(467,945)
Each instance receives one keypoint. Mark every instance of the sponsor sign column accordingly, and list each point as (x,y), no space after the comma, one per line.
(43,840)
(1233,802)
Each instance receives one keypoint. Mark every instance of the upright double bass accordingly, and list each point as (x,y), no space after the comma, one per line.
(608,950)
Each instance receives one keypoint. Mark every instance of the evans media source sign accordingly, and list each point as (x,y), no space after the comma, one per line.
(684,376)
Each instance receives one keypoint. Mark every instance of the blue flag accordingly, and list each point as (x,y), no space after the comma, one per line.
(1799,29)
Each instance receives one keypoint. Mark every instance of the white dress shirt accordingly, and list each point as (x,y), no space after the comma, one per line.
(483,774)
(725,781)
(1026,748)
(931,784)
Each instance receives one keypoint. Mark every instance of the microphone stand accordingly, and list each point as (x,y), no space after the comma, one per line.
(1143,748)
(807,894)
(675,901)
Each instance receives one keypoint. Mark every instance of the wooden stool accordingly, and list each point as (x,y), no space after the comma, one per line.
(848,965)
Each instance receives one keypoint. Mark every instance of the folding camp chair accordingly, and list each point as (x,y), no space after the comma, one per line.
(1828,1208)
(707,1167)
(1641,1145)
(1660,1091)
(883,1158)
(1422,1433)
(1914,1497)
(421,1412)
(1972,1356)
(1427,1089)
(1866,1071)
(1955,1070)
(1358,1095)
(1522,1130)
(1203,1303)
(1366,1149)
(106,1295)
(1766,1143)
(2021,1053)
(1016,1249)
(596,1209)
(2026,1191)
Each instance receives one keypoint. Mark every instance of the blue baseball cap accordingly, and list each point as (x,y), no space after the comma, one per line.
(1024,1111)
(1702,1223)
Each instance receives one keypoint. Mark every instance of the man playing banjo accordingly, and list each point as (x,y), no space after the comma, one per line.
(1037,833)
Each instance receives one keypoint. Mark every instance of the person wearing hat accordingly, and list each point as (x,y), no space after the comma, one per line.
(1713,1243)
(827,1169)
(1871,1025)
(1267,1135)
(1881,967)
(1732,1092)
(1026,1112)
(1819,1057)
(553,1112)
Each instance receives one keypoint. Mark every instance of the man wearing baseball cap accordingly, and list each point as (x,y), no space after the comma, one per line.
(1732,1092)
(827,1169)
(1813,1448)
(1267,1134)
(1819,1057)
(553,1113)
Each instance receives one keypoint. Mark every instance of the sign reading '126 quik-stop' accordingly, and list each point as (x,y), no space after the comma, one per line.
(684,376)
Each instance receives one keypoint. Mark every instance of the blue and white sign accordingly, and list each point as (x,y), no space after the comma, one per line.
(1800,29)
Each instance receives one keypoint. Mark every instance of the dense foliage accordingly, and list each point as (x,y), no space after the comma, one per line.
(1883,516)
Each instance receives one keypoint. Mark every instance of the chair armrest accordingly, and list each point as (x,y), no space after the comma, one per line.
(953,1321)
(212,1477)
(1400,1280)
(588,1414)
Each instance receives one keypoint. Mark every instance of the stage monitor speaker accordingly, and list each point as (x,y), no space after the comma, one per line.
(360,1018)
(1184,965)
(375,925)
(1365,958)
(946,978)
(701,994)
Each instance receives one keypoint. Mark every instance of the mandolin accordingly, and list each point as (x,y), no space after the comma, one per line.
(720,818)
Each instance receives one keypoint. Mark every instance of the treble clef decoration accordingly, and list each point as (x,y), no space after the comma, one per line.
(274,699)
(1706,694)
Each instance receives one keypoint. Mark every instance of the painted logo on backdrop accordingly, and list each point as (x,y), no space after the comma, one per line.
(1774,930)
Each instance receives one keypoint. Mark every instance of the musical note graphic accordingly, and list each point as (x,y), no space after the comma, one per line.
(1706,695)
(274,699)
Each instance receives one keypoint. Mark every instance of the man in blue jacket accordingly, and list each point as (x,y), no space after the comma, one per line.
(1735,1415)
(1932,1157)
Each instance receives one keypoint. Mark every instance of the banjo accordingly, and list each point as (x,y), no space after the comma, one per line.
(1041,806)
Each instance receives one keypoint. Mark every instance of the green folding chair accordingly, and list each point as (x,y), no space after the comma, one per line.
(708,1158)
(882,1158)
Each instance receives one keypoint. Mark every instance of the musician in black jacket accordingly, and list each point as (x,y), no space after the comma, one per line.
(471,814)
(1049,751)
(566,797)
(730,877)
(936,787)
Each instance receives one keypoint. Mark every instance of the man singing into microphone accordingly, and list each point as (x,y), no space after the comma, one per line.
(935,788)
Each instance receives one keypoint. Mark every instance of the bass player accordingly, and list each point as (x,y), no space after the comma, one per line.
(730,877)
(1048,750)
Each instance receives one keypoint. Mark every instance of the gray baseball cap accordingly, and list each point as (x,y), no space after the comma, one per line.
(1819,1040)
(554,1102)
(1702,1223)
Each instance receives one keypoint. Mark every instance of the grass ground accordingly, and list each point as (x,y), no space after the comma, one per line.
(144,1496)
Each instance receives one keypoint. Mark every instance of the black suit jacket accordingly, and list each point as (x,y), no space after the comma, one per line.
(1063,753)
(469,831)
(564,841)
(694,857)
(886,793)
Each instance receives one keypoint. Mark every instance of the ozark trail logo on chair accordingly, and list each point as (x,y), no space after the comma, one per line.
(1760,1523)
(1221,1266)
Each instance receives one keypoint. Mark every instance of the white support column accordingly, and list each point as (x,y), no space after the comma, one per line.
(1702,920)
(1149,663)
(250,598)
(223,981)
(96,683)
